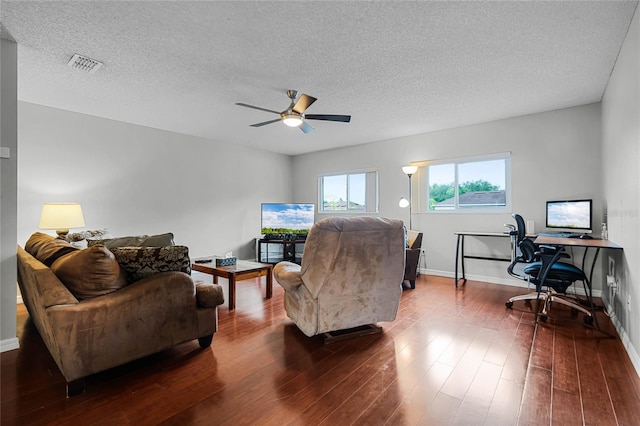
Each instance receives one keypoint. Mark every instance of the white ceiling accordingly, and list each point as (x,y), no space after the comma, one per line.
(398,68)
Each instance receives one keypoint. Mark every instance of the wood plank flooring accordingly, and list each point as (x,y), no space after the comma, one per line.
(451,357)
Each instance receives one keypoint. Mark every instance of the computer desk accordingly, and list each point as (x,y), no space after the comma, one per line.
(597,244)
(587,243)
(594,243)
(460,256)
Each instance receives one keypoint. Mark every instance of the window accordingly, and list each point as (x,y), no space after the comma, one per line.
(355,192)
(471,184)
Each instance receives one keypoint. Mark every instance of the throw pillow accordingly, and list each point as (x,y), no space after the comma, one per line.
(79,239)
(91,272)
(140,262)
(94,234)
(46,248)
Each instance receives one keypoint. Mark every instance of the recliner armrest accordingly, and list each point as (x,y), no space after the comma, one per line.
(288,275)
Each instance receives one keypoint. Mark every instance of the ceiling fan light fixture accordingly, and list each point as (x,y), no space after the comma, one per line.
(292,120)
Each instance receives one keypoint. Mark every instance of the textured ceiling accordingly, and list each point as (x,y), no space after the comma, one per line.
(399,68)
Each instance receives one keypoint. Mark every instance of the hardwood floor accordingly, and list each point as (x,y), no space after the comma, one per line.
(451,357)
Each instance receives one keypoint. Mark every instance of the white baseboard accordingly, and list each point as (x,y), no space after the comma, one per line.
(496,280)
(9,344)
(624,337)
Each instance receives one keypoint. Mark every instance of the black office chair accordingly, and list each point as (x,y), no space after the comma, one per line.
(541,267)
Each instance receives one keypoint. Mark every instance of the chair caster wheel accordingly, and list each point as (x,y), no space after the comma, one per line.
(588,320)
(508,304)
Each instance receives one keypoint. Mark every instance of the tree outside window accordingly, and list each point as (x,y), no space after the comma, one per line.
(468,184)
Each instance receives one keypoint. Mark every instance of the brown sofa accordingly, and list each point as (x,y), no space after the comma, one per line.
(93,315)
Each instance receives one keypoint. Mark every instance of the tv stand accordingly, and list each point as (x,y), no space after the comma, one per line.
(274,251)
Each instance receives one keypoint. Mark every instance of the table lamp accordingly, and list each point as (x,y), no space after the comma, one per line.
(61,217)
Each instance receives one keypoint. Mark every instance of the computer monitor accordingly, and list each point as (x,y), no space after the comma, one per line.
(571,215)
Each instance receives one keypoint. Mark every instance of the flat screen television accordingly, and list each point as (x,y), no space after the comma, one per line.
(571,215)
(282,218)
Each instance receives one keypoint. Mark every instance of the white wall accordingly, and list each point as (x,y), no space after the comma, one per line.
(138,180)
(8,194)
(621,185)
(555,155)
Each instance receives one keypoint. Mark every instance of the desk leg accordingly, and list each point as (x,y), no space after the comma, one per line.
(593,265)
(464,276)
(269,282)
(232,292)
(459,246)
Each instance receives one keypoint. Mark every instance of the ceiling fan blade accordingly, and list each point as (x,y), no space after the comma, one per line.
(329,117)
(306,128)
(259,108)
(303,103)
(264,123)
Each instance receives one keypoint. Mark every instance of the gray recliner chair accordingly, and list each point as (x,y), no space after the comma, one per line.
(351,275)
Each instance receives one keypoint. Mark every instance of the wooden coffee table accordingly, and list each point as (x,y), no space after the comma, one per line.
(242,270)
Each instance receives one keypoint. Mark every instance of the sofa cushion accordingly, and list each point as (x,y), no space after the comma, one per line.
(46,248)
(160,240)
(131,241)
(91,272)
(140,262)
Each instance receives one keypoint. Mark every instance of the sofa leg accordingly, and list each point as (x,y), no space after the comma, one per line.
(413,283)
(75,387)
(205,341)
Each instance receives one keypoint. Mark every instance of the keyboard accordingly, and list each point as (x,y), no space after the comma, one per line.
(558,234)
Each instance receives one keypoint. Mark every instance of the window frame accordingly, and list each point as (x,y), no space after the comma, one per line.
(371,191)
(424,184)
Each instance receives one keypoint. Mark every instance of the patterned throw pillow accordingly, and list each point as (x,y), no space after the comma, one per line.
(93,234)
(141,262)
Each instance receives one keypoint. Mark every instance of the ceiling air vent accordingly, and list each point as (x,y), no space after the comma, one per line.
(84,63)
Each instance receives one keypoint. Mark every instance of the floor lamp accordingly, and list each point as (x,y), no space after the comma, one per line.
(409,171)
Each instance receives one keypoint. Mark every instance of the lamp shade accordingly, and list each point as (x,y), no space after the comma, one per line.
(404,203)
(409,170)
(61,217)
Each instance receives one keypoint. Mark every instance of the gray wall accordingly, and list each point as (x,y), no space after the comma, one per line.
(8,194)
(137,180)
(621,187)
(555,155)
